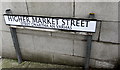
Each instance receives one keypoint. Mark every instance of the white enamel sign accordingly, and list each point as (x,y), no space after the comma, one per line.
(73,24)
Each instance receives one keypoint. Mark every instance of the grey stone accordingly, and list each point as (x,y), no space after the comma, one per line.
(79,37)
(102,10)
(16,7)
(63,35)
(79,48)
(34,32)
(0,15)
(25,31)
(101,51)
(0,23)
(42,33)
(42,43)
(26,46)
(97,1)
(56,45)
(43,56)
(7,46)
(63,59)
(4,27)
(118,32)
(78,61)
(104,51)
(0,43)
(51,8)
(70,60)
(109,32)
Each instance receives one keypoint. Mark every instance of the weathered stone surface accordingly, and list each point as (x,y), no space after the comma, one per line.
(97,0)
(34,32)
(79,48)
(109,32)
(56,45)
(109,10)
(26,45)
(4,26)
(63,35)
(43,56)
(51,8)
(7,46)
(0,43)
(104,51)
(78,61)
(101,51)
(70,60)
(79,37)
(118,32)
(0,16)
(16,7)
(64,59)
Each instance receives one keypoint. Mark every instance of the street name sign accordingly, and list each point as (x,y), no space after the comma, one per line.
(60,23)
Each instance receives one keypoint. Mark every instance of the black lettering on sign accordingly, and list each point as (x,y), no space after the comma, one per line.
(87,23)
(77,23)
(82,24)
(67,21)
(48,21)
(63,22)
(53,21)
(57,21)
(34,19)
(39,20)
(20,18)
(72,22)
(44,20)
(10,18)
(14,18)
(24,19)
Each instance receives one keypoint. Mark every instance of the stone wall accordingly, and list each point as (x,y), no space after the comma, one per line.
(64,47)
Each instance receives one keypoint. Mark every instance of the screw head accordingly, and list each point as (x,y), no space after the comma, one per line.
(91,15)
(8,11)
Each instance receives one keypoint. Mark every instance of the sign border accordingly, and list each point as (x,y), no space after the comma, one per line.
(54,17)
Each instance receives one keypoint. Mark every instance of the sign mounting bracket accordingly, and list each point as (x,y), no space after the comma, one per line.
(15,40)
(89,45)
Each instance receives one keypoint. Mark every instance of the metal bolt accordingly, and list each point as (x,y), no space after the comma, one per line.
(92,15)
(8,11)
